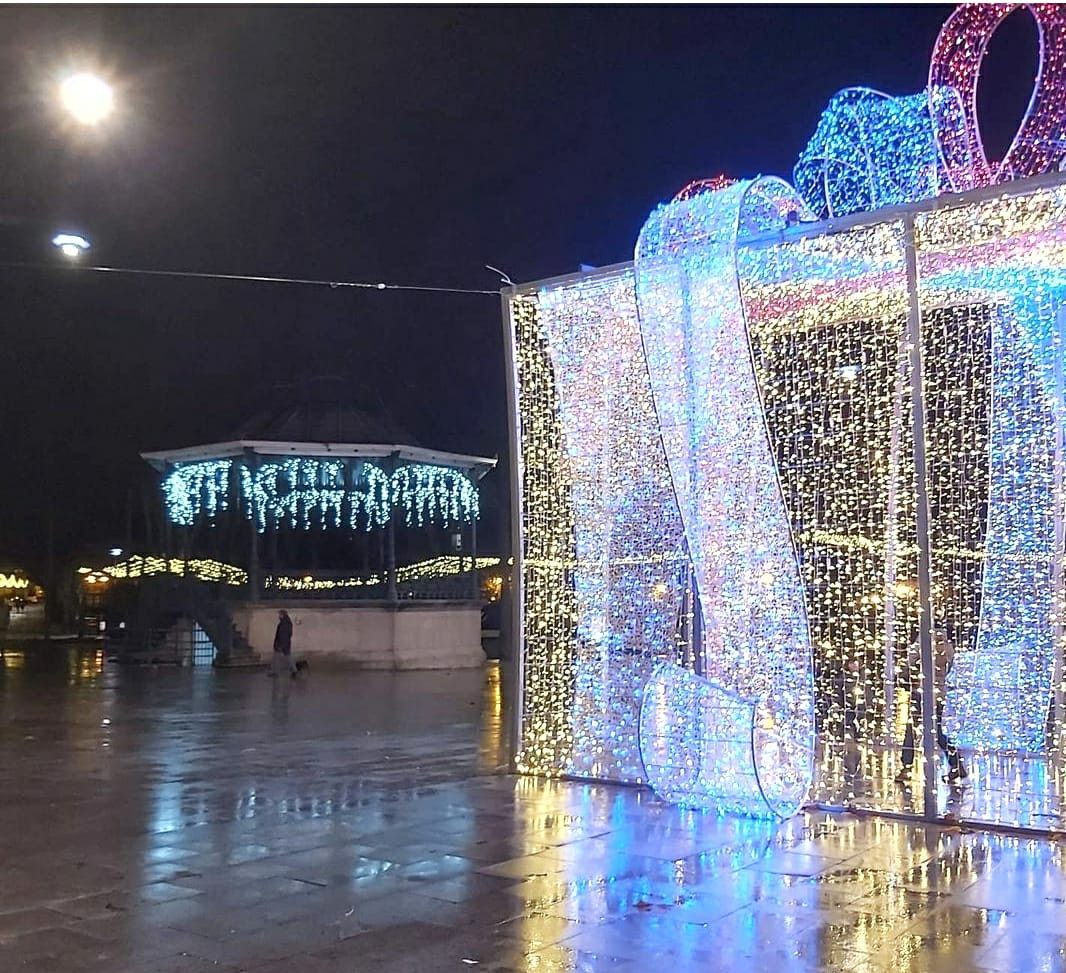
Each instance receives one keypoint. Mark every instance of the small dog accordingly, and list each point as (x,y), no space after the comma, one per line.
(301,665)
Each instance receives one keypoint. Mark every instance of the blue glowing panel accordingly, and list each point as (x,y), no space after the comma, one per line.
(1010,256)
(757,645)
(872,150)
(1009,673)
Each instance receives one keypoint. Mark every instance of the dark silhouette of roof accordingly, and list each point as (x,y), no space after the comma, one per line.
(324,410)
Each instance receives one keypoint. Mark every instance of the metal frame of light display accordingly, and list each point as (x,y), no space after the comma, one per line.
(757,470)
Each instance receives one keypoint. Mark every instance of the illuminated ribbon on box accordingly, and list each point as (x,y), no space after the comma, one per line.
(1002,689)
(1038,145)
(757,643)
(872,150)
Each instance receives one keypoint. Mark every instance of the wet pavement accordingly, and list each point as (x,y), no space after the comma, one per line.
(189,820)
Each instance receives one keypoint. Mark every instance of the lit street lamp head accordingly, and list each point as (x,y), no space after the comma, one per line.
(71,245)
(88,98)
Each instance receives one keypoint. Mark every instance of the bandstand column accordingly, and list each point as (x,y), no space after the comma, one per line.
(474,586)
(390,543)
(254,575)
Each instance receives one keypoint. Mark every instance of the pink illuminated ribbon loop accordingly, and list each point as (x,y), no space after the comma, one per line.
(1038,144)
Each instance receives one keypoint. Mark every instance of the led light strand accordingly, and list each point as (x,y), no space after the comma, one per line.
(958,53)
(630,563)
(301,492)
(434,494)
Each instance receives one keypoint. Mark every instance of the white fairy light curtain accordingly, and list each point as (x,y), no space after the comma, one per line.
(302,492)
(728,578)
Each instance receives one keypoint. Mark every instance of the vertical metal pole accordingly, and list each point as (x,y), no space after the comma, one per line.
(514,690)
(1057,736)
(390,557)
(892,536)
(925,599)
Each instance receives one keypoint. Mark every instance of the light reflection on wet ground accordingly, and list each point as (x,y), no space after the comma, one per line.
(166,820)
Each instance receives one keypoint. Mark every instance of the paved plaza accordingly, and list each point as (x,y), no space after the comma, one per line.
(164,820)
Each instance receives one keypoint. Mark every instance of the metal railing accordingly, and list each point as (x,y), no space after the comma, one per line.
(184,643)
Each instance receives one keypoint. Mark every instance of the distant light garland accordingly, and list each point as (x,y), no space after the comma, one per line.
(203,569)
(206,569)
(301,492)
(447,566)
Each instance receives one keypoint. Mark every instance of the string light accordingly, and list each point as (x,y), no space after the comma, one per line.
(433,494)
(626,564)
(138,566)
(192,488)
(1011,322)
(301,492)
(432,569)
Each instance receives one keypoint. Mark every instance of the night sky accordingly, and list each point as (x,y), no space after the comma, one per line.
(405,144)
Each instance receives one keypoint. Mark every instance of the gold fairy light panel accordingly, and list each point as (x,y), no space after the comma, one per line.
(790,493)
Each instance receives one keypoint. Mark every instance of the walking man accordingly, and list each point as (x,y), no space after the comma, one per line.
(943,657)
(282,661)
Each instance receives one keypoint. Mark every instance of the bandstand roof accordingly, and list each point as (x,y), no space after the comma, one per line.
(477,466)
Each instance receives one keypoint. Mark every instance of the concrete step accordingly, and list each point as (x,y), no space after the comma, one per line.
(240,660)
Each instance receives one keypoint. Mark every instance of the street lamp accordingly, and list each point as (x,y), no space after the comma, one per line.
(88,98)
(71,245)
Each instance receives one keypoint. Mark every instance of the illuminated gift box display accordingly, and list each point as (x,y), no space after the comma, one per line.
(759,466)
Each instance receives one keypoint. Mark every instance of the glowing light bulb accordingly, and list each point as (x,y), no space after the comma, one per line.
(88,98)
(71,245)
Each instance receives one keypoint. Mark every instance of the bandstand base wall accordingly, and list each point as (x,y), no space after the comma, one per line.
(419,635)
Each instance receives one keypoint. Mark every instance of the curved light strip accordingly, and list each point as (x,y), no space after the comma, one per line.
(960,48)
(757,643)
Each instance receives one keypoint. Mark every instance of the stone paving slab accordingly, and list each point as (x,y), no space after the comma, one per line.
(169,821)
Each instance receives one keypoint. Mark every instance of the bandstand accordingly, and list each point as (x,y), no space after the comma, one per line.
(367,540)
